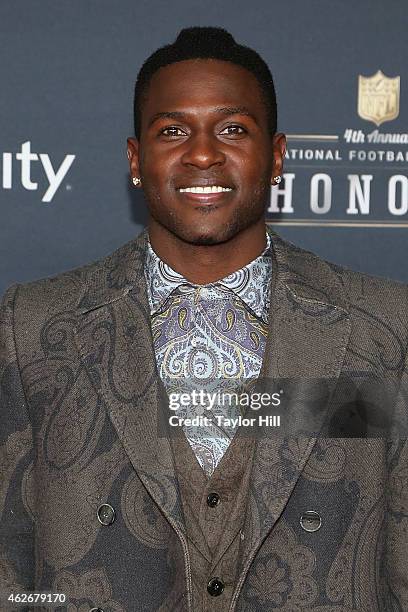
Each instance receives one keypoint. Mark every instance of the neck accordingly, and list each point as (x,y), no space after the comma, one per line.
(206,264)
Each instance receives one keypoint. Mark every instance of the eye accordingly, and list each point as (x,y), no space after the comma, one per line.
(172,131)
(233,130)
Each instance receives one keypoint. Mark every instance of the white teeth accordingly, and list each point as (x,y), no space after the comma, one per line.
(209,189)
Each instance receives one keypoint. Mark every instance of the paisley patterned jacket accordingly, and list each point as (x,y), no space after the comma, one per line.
(89,501)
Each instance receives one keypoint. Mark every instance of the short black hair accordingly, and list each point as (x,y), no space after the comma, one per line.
(206,43)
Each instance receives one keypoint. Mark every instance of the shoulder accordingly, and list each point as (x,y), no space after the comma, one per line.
(63,292)
(310,273)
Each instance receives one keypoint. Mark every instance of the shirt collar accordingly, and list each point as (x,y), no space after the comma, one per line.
(250,283)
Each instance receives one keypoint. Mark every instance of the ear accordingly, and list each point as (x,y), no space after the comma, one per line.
(133,156)
(279,150)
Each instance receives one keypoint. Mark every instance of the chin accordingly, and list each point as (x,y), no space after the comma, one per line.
(199,233)
(206,240)
(206,237)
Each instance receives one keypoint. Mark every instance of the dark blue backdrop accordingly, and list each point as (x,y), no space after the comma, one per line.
(67,80)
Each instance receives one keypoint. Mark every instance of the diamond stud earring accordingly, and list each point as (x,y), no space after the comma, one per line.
(136,181)
(277,179)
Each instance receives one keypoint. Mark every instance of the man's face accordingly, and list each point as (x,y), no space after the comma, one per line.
(204,125)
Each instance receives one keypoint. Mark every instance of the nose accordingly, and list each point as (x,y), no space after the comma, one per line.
(203,151)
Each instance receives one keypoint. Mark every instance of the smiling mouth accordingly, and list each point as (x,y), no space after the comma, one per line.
(205,195)
(209,189)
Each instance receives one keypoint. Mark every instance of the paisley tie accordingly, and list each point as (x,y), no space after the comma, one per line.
(206,337)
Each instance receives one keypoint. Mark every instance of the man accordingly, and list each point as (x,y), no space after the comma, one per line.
(104,503)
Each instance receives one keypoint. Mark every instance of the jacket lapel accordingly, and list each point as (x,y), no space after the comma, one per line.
(307,341)
(114,338)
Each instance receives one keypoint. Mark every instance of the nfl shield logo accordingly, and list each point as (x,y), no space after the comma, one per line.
(378,98)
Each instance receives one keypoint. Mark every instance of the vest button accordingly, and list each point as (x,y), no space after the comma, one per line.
(106,514)
(310,521)
(215,587)
(213,499)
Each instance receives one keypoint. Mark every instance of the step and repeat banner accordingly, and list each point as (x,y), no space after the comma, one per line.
(67,79)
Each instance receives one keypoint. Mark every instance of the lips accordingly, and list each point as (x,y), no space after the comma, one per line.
(207,189)
(205,195)
(201,181)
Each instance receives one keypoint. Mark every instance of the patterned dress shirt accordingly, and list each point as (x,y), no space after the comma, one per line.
(210,338)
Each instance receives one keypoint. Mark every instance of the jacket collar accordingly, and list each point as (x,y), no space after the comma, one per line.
(112,278)
(305,275)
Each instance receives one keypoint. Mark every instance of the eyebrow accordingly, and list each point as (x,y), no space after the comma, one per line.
(222,110)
